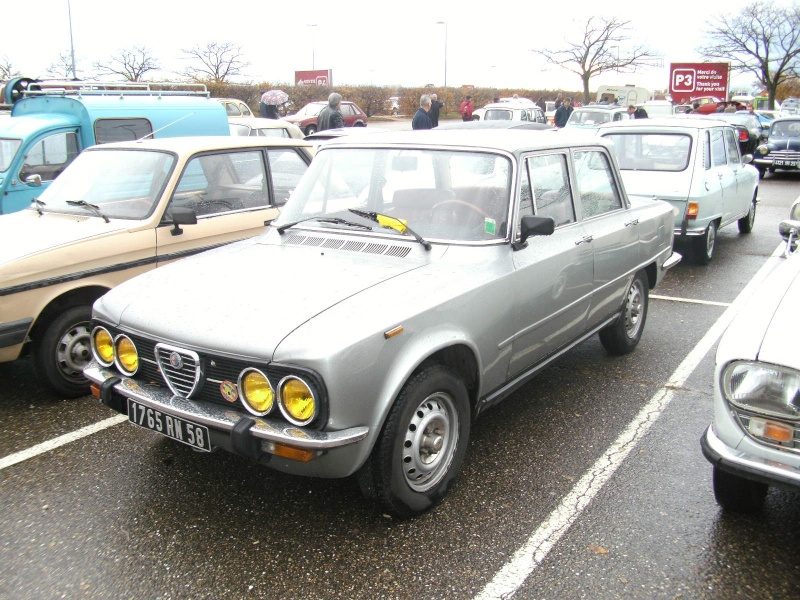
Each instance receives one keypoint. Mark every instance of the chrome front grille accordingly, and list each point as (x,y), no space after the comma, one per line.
(785,154)
(181,369)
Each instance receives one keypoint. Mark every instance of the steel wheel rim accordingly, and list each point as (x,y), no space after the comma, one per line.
(751,218)
(634,309)
(430,442)
(74,351)
(711,238)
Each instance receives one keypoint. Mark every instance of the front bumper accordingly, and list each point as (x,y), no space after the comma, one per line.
(247,435)
(746,465)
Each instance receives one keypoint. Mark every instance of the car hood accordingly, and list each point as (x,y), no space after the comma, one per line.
(27,233)
(247,297)
(763,329)
(784,144)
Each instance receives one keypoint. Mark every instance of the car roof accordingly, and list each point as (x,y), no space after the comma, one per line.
(262,123)
(205,142)
(511,104)
(508,140)
(679,121)
(786,118)
(601,107)
(500,124)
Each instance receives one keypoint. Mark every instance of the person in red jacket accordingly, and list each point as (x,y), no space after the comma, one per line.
(466,109)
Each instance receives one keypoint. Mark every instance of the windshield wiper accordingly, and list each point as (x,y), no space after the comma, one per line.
(39,204)
(329,219)
(92,207)
(394,223)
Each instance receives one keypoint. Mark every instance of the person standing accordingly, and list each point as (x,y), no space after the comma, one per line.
(331,116)
(559,101)
(563,112)
(466,109)
(421,119)
(433,113)
(637,113)
(541,103)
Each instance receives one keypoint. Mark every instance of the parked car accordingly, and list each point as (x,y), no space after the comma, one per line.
(306,117)
(594,115)
(789,107)
(259,126)
(782,149)
(117,211)
(708,104)
(695,164)
(748,129)
(235,108)
(657,108)
(529,125)
(754,438)
(393,105)
(513,110)
(550,110)
(418,277)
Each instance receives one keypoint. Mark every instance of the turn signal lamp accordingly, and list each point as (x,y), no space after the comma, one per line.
(127,356)
(298,404)
(293,453)
(692,210)
(103,346)
(257,392)
(743,136)
(776,432)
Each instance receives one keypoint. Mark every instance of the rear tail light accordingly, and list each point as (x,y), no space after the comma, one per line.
(743,135)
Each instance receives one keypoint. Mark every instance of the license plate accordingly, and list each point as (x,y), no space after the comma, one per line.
(784,163)
(170,426)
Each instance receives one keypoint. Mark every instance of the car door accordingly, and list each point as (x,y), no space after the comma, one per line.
(553,274)
(725,173)
(737,202)
(611,231)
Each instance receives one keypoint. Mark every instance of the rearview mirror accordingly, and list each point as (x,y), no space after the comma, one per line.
(180,215)
(532,225)
(789,231)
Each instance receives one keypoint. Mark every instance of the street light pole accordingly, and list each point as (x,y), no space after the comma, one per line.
(71,44)
(445,49)
(313,65)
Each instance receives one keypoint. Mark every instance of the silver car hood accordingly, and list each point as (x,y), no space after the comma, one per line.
(246,297)
(764,328)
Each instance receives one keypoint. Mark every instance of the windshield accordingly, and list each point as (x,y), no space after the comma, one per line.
(310,110)
(8,149)
(785,129)
(651,151)
(439,194)
(498,114)
(589,117)
(122,184)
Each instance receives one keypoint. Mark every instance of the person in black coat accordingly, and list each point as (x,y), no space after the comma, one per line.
(421,119)
(436,106)
(637,113)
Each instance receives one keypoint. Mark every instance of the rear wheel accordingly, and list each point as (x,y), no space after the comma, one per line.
(737,493)
(311,129)
(747,221)
(705,245)
(623,335)
(61,351)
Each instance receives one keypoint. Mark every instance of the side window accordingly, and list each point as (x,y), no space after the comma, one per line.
(218,183)
(525,196)
(549,178)
(231,109)
(596,185)
(706,150)
(246,110)
(50,156)
(348,110)
(732,145)
(121,130)
(718,156)
(286,168)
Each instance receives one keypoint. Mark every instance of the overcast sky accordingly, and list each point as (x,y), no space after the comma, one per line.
(362,42)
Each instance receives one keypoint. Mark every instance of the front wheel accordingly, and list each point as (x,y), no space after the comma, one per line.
(61,351)
(705,245)
(422,443)
(311,129)
(747,221)
(623,335)
(737,493)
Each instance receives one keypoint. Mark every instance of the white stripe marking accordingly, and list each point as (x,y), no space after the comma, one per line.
(62,440)
(690,300)
(513,574)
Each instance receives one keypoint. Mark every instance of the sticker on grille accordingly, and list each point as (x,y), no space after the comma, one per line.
(182,369)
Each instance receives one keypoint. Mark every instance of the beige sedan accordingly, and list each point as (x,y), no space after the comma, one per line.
(120,210)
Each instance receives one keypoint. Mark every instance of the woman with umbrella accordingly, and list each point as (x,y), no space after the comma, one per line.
(269,103)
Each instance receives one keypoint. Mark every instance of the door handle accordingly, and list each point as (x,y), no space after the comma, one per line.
(584,240)
(632,222)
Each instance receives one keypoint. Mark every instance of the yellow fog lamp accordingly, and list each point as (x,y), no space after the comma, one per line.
(127,358)
(298,404)
(103,346)
(256,391)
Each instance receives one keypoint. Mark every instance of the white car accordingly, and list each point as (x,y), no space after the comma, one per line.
(513,110)
(594,115)
(261,127)
(754,439)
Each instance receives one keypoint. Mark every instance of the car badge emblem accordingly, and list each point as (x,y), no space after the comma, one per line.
(229,391)
(176,361)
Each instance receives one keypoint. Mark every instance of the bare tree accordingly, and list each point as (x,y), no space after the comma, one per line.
(132,65)
(218,62)
(762,39)
(605,47)
(62,69)
(6,70)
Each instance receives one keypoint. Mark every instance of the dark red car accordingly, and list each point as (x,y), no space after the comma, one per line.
(708,104)
(306,117)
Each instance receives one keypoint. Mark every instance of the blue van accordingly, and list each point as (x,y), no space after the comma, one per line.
(48,128)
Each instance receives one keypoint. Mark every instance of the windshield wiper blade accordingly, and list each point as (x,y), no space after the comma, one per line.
(39,204)
(92,207)
(329,219)
(397,225)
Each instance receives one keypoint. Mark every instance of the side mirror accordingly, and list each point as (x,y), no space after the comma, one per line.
(789,231)
(532,225)
(34,180)
(747,159)
(180,216)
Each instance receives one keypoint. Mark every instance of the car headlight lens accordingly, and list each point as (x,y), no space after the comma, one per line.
(257,392)
(127,359)
(763,388)
(298,403)
(103,346)
(762,150)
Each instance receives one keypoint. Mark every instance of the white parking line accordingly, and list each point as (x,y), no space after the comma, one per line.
(524,562)
(62,440)
(689,300)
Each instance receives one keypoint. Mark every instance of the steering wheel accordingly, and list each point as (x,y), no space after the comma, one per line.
(456,202)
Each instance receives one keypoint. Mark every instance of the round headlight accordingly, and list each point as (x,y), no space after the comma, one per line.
(762,150)
(256,391)
(127,359)
(298,404)
(763,388)
(103,346)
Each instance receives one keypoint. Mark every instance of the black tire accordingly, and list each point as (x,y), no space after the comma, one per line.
(704,246)
(747,221)
(737,493)
(422,444)
(311,129)
(61,350)
(623,335)
(762,171)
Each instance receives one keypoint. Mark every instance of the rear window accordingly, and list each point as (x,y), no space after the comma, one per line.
(121,130)
(651,151)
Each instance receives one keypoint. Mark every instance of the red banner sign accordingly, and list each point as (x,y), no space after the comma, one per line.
(319,77)
(691,80)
